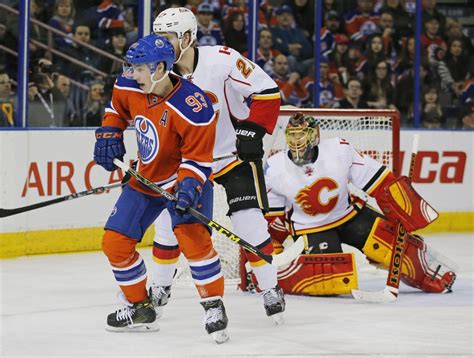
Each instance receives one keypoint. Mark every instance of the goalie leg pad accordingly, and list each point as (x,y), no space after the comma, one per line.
(399,200)
(421,268)
(320,275)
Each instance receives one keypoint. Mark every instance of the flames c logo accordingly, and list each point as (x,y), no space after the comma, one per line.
(309,198)
(147,139)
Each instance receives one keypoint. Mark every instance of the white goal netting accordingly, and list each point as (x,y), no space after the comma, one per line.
(373,132)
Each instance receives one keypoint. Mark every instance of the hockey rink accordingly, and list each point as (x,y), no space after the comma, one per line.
(56,306)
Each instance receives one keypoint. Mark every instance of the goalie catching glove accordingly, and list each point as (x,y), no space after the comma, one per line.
(249,141)
(108,146)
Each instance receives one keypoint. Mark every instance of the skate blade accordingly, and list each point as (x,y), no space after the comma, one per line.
(220,336)
(139,327)
(277,319)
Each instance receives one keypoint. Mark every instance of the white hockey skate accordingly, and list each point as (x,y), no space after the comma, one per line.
(159,297)
(215,320)
(274,303)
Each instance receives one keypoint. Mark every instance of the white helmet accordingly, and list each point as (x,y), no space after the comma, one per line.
(178,20)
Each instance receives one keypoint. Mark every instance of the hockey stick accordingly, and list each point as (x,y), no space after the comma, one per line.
(391,290)
(226,156)
(9,212)
(257,166)
(281,259)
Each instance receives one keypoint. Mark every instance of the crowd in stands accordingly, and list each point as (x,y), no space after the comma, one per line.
(367,47)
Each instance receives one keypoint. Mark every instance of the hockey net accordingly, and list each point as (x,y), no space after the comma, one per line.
(373,132)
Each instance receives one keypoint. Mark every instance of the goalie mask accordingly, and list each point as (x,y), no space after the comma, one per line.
(302,136)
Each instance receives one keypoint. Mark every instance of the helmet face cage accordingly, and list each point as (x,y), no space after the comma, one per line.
(302,136)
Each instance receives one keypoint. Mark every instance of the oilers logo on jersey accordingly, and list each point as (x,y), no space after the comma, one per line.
(147,139)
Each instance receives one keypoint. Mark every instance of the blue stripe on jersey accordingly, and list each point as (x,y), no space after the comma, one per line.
(190,98)
(206,271)
(125,83)
(205,170)
(132,274)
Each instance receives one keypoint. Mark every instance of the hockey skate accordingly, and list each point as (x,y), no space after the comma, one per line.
(133,317)
(274,303)
(159,297)
(215,320)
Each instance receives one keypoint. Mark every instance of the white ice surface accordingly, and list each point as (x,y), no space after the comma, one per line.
(56,306)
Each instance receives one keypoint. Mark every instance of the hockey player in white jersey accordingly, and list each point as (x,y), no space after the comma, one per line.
(247,102)
(308,188)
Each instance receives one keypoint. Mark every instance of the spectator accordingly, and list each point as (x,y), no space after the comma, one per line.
(339,61)
(80,53)
(209,32)
(291,89)
(405,95)
(93,110)
(454,30)
(431,113)
(63,20)
(379,92)
(407,59)
(329,87)
(331,28)
(240,6)
(391,39)
(303,12)
(431,38)
(374,54)
(289,40)
(402,20)
(265,52)
(115,46)
(454,69)
(46,102)
(234,32)
(361,22)
(63,84)
(7,101)
(430,11)
(468,121)
(352,96)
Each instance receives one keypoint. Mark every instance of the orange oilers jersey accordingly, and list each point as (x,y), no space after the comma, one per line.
(175,134)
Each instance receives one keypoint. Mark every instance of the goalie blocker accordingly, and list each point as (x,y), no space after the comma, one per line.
(326,270)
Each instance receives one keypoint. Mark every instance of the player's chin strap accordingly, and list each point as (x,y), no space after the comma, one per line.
(390,292)
(281,259)
(182,50)
(155,82)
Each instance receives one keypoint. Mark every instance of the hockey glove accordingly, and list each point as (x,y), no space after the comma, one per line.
(108,146)
(188,193)
(249,141)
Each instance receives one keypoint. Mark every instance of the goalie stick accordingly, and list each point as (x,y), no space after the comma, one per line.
(9,212)
(281,259)
(391,290)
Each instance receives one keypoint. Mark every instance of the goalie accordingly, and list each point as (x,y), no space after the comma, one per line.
(308,191)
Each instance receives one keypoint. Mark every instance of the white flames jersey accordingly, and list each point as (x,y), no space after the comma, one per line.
(315,197)
(239,90)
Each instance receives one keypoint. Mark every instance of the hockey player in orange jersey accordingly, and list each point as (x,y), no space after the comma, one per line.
(175,127)
(309,196)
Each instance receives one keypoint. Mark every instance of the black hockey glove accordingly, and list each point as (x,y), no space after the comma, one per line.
(249,141)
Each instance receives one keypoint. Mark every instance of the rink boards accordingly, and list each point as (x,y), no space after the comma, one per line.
(40,165)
